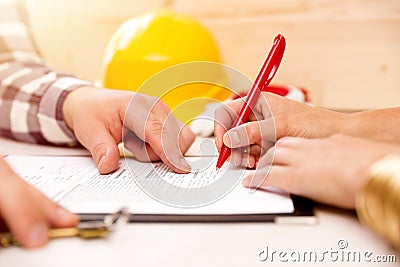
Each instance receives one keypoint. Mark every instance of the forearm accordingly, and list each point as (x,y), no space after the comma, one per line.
(378,203)
(31,102)
(379,124)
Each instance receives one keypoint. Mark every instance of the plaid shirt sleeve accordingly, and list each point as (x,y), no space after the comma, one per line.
(31,93)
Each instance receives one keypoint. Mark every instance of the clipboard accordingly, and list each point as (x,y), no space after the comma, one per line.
(71,181)
(303,214)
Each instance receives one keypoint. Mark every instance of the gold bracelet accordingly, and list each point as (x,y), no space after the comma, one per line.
(378,203)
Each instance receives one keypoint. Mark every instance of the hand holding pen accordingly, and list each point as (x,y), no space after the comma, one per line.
(263,79)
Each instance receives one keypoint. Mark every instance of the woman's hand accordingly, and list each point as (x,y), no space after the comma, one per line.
(273,117)
(330,170)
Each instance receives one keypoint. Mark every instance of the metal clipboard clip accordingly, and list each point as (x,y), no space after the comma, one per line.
(86,229)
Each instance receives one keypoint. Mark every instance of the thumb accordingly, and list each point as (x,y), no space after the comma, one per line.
(103,148)
(109,159)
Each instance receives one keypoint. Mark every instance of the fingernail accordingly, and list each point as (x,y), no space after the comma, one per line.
(185,164)
(63,216)
(103,157)
(250,182)
(244,162)
(237,160)
(101,165)
(251,162)
(234,138)
(246,182)
(37,235)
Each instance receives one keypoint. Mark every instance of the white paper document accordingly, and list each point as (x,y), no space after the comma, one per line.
(146,188)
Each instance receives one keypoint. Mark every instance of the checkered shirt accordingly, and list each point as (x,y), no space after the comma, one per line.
(31,92)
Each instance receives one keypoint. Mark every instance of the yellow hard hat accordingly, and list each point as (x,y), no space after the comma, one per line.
(146,45)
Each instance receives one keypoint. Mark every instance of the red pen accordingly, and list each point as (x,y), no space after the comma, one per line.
(263,79)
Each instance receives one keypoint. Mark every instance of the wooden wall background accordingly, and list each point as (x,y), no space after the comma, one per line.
(346,52)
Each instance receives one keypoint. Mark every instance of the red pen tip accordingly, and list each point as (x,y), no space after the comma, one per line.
(223,156)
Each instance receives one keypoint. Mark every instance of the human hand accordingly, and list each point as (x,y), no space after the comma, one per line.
(102,118)
(330,170)
(27,212)
(273,117)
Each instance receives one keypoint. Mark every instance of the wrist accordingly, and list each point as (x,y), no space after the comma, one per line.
(364,124)
(326,123)
(72,102)
(352,125)
(342,124)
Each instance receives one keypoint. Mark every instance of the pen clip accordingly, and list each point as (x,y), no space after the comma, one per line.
(272,62)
